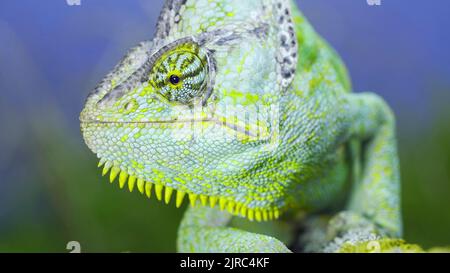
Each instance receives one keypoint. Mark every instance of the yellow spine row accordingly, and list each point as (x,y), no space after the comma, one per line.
(145,187)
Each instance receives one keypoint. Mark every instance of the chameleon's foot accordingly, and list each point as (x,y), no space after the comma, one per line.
(324,234)
(348,232)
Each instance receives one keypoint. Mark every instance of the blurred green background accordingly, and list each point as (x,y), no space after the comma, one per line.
(52,55)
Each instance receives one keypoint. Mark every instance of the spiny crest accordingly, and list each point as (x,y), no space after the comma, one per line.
(180,74)
(164,193)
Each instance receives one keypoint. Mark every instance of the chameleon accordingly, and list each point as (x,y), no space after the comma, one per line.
(242,110)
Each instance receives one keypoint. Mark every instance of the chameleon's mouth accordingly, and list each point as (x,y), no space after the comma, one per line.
(164,193)
(243,131)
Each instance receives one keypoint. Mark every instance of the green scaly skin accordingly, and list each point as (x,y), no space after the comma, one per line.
(244,109)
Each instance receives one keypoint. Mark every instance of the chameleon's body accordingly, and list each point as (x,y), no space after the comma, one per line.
(241,106)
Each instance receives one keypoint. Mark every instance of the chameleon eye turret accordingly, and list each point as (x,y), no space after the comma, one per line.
(180,74)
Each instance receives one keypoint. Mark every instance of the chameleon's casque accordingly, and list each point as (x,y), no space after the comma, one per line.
(241,105)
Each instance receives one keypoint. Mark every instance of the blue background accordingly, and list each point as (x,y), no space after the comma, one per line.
(53,54)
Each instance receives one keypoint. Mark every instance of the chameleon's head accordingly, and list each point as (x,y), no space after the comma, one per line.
(196,114)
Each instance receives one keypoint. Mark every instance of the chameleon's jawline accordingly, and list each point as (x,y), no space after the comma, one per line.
(224,203)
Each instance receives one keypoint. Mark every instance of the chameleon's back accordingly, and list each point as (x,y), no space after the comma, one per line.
(312,48)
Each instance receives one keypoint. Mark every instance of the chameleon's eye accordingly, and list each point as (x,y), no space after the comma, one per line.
(174,79)
(180,74)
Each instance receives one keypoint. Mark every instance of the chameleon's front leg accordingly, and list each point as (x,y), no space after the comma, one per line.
(376,193)
(204,229)
(373,211)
